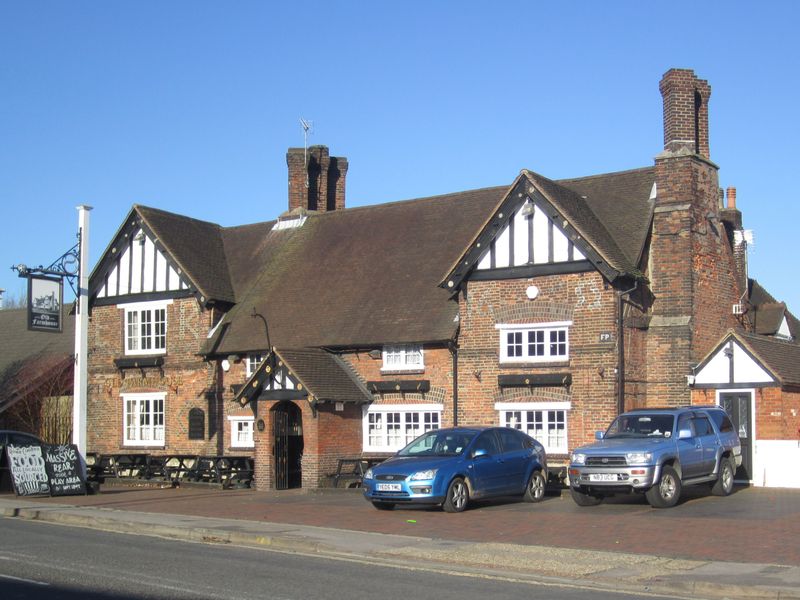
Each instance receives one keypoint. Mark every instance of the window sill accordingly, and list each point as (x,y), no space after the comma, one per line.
(139,362)
(403,371)
(127,446)
(533,365)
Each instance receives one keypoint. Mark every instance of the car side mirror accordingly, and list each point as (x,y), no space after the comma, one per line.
(685,434)
(598,435)
(478,452)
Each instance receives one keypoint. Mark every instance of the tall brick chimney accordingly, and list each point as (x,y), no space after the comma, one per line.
(685,112)
(316,179)
(692,271)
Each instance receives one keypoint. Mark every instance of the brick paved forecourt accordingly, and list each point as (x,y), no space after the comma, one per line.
(690,550)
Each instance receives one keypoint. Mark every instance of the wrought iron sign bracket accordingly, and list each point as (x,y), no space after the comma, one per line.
(67,266)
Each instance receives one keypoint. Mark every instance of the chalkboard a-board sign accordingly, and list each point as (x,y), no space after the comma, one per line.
(64,470)
(28,471)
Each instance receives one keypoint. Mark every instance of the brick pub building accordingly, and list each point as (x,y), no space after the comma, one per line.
(336,332)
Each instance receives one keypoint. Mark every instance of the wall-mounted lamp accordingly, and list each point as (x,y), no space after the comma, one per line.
(690,380)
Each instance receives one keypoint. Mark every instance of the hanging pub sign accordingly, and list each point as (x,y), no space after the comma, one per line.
(44,303)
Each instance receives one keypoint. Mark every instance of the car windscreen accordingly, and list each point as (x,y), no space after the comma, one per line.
(438,443)
(640,425)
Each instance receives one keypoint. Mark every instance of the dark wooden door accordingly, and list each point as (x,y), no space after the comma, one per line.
(738,405)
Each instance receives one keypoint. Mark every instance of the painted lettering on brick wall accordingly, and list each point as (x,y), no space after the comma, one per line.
(64,470)
(28,471)
(588,296)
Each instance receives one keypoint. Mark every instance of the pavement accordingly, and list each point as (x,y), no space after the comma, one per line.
(744,546)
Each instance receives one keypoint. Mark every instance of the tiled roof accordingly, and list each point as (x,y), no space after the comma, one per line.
(781,357)
(769,312)
(368,276)
(621,202)
(28,357)
(362,277)
(197,246)
(326,376)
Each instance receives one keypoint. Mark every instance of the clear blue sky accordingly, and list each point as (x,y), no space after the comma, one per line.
(190,106)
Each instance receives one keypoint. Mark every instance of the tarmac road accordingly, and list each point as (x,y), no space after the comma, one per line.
(44,561)
(705,547)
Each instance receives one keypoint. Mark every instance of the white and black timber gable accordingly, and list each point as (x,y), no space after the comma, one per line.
(272,380)
(528,235)
(136,267)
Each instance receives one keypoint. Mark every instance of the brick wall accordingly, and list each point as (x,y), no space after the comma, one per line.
(582,298)
(187,381)
(777,412)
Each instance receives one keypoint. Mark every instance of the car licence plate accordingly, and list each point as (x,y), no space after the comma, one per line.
(603,477)
(388,487)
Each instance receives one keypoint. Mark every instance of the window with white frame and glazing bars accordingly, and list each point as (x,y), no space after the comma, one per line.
(242,432)
(545,422)
(251,364)
(404,357)
(143,419)
(547,342)
(145,328)
(389,428)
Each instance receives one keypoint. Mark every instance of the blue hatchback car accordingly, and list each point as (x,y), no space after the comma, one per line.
(453,466)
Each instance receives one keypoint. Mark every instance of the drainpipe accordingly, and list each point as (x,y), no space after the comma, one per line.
(621,350)
(453,347)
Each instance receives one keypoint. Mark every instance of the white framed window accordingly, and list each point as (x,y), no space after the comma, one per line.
(251,364)
(145,327)
(544,342)
(242,432)
(403,357)
(545,421)
(389,427)
(143,419)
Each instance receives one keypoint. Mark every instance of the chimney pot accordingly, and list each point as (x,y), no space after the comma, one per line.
(731,197)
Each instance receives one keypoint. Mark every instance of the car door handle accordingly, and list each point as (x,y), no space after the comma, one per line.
(698,446)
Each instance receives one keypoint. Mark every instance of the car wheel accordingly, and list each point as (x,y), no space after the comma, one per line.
(457,496)
(534,491)
(583,499)
(667,491)
(383,505)
(723,486)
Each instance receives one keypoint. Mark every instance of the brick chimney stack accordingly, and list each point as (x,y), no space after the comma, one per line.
(692,271)
(685,112)
(316,179)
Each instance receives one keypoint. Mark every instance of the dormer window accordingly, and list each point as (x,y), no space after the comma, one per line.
(403,357)
(145,328)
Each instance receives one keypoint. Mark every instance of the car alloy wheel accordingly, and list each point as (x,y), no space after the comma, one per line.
(534,492)
(457,496)
(723,486)
(667,491)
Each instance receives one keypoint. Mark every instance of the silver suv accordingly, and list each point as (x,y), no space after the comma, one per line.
(657,452)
